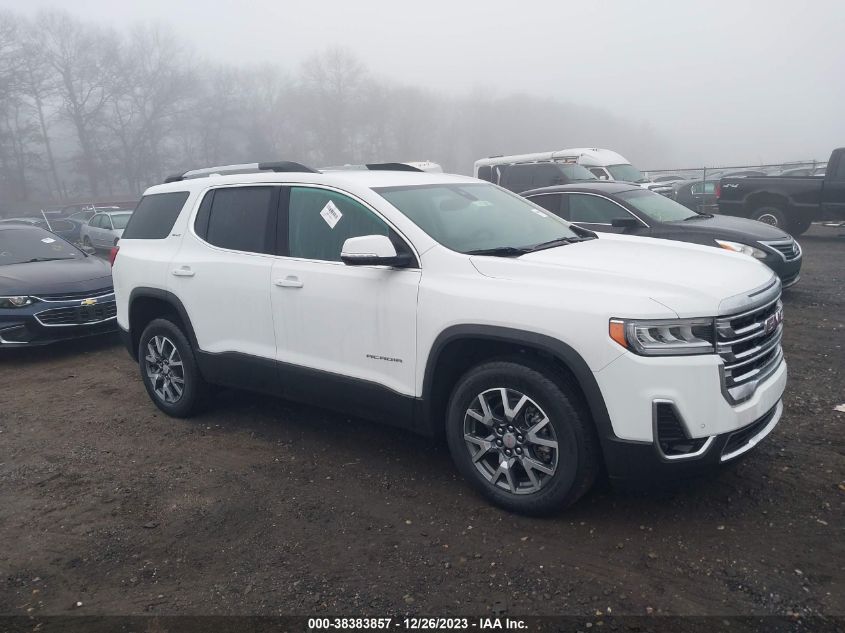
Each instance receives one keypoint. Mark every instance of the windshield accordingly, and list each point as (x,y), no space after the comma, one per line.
(25,244)
(658,208)
(476,216)
(120,220)
(577,172)
(626,173)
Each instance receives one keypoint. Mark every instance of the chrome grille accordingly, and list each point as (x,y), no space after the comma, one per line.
(749,345)
(78,315)
(788,249)
(70,296)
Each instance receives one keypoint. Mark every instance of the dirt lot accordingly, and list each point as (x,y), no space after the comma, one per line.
(264,507)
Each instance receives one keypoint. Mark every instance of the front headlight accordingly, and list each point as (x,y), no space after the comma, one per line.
(670,337)
(16,302)
(745,249)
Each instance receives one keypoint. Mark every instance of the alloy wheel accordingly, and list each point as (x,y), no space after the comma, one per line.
(511,441)
(164,369)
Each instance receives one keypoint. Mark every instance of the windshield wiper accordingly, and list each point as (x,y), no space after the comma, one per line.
(501,251)
(44,259)
(698,216)
(560,241)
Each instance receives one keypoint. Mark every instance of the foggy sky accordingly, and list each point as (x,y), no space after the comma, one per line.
(722,82)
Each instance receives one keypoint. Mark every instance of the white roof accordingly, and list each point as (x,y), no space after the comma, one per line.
(589,156)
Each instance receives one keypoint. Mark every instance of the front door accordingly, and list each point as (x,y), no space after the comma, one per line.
(347,330)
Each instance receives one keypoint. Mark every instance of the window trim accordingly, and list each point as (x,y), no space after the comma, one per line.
(284,218)
(192,218)
(597,195)
(281,218)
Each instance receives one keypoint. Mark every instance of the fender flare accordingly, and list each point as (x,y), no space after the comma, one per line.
(538,342)
(143,292)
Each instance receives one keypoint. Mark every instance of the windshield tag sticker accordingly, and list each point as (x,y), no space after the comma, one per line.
(48,240)
(540,213)
(331,214)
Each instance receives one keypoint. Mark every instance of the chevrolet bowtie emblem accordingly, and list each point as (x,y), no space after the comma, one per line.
(89,302)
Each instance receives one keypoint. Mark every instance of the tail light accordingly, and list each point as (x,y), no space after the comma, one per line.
(113,254)
(718,190)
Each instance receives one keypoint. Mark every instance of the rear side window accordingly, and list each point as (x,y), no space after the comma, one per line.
(155,216)
(239,218)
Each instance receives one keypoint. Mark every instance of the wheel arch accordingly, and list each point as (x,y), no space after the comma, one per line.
(460,347)
(146,304)
(768,198)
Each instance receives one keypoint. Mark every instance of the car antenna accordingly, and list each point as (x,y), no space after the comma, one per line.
(44,215)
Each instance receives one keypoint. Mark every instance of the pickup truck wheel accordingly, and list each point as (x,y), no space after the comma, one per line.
(516,433)
(799,227)
(773,216)
(169,369)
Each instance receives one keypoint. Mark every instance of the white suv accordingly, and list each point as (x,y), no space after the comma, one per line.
(450,306)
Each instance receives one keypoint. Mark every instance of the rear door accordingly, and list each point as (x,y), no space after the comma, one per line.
(833,192)
(221,273)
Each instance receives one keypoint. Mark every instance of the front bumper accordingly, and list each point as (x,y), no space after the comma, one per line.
(635,386)
(636,462)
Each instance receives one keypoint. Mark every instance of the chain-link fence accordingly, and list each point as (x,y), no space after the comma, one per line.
(793,168)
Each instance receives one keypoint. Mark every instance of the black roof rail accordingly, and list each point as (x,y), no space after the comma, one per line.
(276,166)
(391,167)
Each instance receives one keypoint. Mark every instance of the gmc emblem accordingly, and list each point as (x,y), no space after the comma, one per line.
(773,322)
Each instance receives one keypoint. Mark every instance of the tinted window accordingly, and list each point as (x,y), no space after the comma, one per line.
(840,168)
(584,208)
(320,221)
(549,201)
(155,216)
(95,221)
(655,206)
(485,172)
(240,219)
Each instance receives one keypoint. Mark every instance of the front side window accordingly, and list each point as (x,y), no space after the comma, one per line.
(320,221)
(658,208)
(593,209)
(476,216)
(239,218)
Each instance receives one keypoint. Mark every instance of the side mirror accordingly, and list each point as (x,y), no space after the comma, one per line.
(624,223)
(372,250)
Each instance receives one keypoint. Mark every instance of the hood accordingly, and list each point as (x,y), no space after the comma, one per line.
(726,227)
(689,279)
(69,275)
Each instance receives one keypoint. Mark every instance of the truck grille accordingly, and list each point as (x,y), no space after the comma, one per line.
(749,345)
(788,249)
(78,315)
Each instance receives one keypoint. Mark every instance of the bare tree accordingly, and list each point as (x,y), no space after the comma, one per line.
(81,56)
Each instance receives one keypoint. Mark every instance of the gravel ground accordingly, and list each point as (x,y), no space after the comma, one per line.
(265,507)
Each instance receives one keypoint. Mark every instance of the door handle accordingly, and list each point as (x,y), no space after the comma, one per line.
(185,271)
(288,282)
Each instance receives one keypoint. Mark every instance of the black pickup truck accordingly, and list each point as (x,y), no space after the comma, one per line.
(789,203)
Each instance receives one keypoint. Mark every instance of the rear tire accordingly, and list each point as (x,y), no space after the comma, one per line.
(169,369)
(547,465)
(773,216)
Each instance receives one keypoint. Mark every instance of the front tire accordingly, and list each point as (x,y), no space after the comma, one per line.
(169,369)
(799,227)
(518,433)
